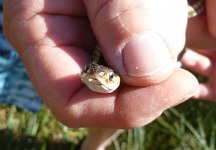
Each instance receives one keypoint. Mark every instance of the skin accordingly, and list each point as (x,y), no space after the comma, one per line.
(139,40)
(54,38)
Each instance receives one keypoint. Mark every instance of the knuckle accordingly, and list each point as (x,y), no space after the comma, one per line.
(134,121)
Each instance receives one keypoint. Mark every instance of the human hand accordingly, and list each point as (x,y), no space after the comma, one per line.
(202,62)
(140,40)
(201,37)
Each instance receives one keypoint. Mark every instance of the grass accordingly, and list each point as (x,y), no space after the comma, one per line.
(189,126)
(20,130)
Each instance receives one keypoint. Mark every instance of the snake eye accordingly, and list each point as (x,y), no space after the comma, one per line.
(111,75)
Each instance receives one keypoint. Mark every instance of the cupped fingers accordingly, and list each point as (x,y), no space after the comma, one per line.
(205,92)
(202,63)
(197,62)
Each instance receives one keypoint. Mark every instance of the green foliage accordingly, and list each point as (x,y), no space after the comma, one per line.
(21,130)
(190,126)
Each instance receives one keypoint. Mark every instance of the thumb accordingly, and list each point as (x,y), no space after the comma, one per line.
(139,39)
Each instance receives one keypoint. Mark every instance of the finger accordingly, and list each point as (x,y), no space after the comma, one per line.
(139,38)
(200,32)
(129,107)
(197,62)
(48,53)
(210,8)
(205,92)
(63,7)
(45,29)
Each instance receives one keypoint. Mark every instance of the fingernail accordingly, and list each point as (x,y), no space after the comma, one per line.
(146,55)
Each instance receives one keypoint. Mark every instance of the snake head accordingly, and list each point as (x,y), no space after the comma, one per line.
(99,78)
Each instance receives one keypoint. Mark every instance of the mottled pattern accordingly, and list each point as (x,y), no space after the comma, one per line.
(15,86)
(99,78)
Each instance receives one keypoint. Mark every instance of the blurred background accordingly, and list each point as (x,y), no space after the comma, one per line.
(26,124)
